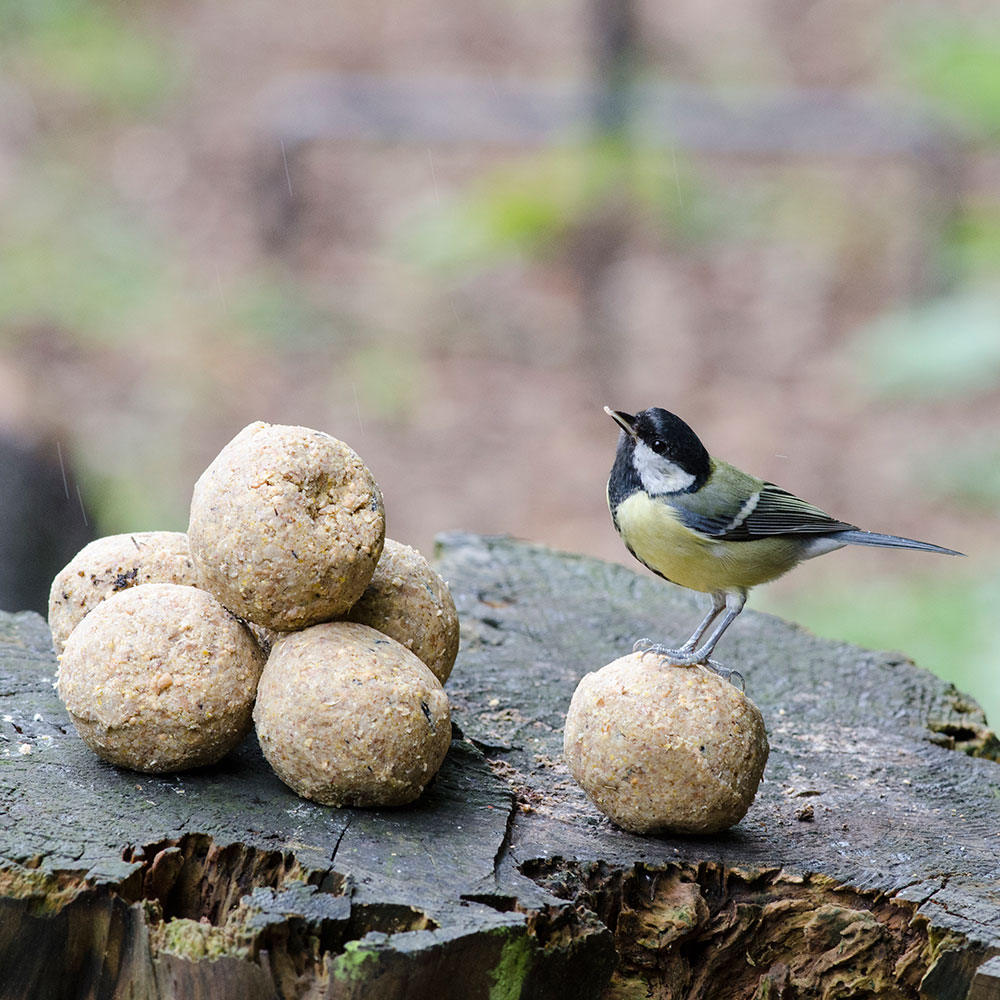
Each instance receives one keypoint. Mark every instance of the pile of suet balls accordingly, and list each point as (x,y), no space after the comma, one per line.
(283,604)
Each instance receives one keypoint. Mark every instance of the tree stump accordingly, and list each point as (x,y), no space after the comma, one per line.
(867,867)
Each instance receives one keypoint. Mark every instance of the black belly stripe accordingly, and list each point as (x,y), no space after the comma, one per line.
(652,569)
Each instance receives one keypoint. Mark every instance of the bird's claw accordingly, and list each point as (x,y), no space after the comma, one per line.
(688,658)
(678,657)
(733,676)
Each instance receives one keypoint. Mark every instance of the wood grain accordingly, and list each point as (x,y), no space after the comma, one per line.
(867,866)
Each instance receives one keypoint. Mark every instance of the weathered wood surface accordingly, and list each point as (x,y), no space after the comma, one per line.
(869,865)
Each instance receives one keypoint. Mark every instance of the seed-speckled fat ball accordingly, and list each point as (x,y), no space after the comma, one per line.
(112,564)
(287,526)
(660,748)
(347,716)
(409,602)
(160,678)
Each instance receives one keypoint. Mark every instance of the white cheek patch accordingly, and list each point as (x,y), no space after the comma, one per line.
(658,474)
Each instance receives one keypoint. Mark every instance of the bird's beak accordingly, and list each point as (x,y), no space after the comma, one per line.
(624,420)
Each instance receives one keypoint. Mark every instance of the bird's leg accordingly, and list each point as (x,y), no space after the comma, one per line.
(733,601)
(718,603)
(648,646)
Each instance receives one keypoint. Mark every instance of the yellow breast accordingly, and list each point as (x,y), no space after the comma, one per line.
(655,535)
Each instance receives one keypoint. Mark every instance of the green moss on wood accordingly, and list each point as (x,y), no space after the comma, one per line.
(359,961)
(195,940)
(509,974)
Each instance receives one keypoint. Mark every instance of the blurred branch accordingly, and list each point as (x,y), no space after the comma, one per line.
(603,231)
(823,124)
(819,125)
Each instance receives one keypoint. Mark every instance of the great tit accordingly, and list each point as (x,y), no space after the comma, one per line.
(703,524)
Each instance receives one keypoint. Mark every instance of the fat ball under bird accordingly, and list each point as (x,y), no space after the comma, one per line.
(704,524)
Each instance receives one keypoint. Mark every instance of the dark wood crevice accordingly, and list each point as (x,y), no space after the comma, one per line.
(710,931)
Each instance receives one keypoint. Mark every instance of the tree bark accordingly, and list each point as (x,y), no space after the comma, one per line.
(867,866)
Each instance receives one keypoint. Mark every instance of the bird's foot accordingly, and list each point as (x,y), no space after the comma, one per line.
(683,657)
(733,676)
(686,657)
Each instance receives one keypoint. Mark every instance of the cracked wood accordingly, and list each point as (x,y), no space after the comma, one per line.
(503,879)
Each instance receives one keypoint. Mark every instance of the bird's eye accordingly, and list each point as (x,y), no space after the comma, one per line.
(658,445)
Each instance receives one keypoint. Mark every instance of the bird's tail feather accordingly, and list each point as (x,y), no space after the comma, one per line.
(859,537)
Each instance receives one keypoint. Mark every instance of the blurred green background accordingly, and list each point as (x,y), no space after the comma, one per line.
(449,234)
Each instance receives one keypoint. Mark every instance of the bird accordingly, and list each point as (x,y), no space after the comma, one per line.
(702,523)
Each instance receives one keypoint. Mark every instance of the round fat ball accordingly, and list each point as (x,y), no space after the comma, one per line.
(112,564)
(160,678)
(286,526)
(347,716)
(409,602)
(660,748)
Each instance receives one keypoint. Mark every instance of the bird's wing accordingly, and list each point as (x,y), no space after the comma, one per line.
(778,512)
(758,510)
